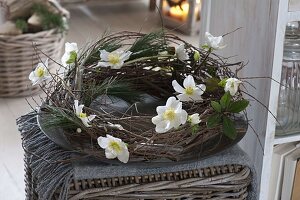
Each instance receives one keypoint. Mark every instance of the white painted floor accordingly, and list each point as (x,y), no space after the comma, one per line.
(87,23)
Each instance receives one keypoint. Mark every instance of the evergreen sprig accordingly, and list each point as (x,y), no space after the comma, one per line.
(148,45)
(61,117)
(49,20)
(113,87)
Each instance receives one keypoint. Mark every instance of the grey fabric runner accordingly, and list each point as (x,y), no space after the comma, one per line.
(51,174)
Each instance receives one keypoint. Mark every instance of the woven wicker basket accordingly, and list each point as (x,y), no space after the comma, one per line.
(18,58)
(216,182)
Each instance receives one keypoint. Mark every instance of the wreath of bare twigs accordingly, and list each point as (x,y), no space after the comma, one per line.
(149,71)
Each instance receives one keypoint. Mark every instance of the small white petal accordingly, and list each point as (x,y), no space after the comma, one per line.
(79,109)
(125,56)
(104,55)
(183,117)
(103,142)
(124,156)
(214,42)
(181,53)
(85,121)
(91,117)
(160,109)
(171,102)
(183,97)
(110,154)
(177,87)
(118,65)
(157,119)
(69,47)
(103,64)
(162,127)
(189,81)
(202,87)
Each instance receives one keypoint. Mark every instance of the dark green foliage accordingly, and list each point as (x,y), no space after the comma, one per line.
(148,45)
(212,84)
(214,120)
(22,25)
(216,106)
(238,106)
(229,128)
(225,100)
(49,20)
(226,105)
(60,117)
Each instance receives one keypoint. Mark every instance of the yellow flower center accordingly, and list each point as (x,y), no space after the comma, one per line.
(169,114)
(232,84)
(115,146)
(113,58)
(82,115)
(189,90)
(40,72)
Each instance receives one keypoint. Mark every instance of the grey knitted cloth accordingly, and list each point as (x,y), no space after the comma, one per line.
(43,154)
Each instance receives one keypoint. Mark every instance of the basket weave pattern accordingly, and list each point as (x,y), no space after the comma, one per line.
(18,58)
(216,182)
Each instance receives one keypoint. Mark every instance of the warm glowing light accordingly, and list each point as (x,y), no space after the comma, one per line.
(180,13)
(198,1)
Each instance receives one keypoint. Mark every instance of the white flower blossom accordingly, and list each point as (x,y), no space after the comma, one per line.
(194,119)
(69,49)
(81,115)
(181,53)
(114,148)
(232,85)
(169,116)
(191,91)
(114,59)
(40,73)
(214,42)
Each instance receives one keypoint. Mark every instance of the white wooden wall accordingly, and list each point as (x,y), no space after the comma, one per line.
(253,43)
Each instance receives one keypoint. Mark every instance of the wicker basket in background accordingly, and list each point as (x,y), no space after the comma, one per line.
(18,58)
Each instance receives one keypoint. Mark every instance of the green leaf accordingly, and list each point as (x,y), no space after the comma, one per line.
(212,84)
(205,46)
(222,83)
(238,106)
(214,120)
(197,56)
(229,128)
(216,106)
(225,100)
(195,129)
(73,57)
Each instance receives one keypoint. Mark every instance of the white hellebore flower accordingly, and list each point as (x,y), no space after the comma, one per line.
(181,53)
(191,91)
(40,73)
(114,148)
(114,59)
(214,42)
(232,85)
(194,119)
(169,116)
(81,115)
(69,49)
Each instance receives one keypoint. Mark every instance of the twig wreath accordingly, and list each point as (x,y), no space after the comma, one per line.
(142,96)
